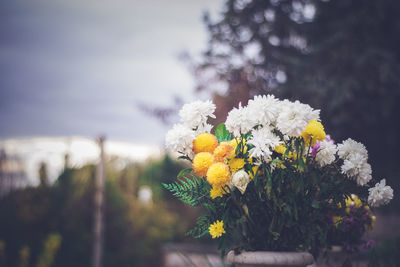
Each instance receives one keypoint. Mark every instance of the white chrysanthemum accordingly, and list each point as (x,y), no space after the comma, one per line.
(180,139)
(203,128)
(263,141)
(356,166)
(196,113)
(263,109)
(381,194)
(326,153)
(238,121)
(240,180)
(352,165)
(294,117)
(350,147)
(365,174)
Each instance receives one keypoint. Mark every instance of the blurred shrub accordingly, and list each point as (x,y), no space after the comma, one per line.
(134,230)
(51,245)
(24,255)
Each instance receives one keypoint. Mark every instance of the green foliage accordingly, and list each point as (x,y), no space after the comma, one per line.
(133,231)
(184,171)
(160,172)
(50,248)
(286,207)
(222,134)
(193,191)
(201,229)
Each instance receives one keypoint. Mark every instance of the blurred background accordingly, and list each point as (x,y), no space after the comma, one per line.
(73,71)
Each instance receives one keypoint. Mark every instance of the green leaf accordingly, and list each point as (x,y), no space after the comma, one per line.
(222,133)
(184,171)
(269,186)
(194,191)
(201,229)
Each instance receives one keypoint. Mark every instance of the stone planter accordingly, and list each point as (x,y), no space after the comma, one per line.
(269,258)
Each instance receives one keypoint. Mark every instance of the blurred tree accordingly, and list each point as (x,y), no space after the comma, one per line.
(163,171)
(43,178)
(340,56)
(134,233)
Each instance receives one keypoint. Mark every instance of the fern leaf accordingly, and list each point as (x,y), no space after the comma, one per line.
(201,229)
(193,191)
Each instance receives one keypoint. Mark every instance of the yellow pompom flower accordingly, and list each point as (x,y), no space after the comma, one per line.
(353,201)
(223,151)
(236,164)
(218,174)
(201,162)
(314,131)
(217,229)
(217,191)
(205,142)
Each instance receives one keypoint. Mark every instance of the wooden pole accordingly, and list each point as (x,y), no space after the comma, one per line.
(99,208)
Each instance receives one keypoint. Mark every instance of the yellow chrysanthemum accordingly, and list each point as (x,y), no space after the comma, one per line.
(201,162)
(217,191)
(218,174)
(353,201)
(253,172)
(235,142)
(314,131)
(217,229)
(205,142)
(223,151)
(281,149)
(236,164)
(336,220)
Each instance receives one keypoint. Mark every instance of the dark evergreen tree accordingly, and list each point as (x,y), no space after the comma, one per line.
(340,56)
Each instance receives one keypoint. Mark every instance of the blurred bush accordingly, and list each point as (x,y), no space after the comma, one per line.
(51,225)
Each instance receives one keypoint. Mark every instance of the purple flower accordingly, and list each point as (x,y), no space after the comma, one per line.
(329,139)
(314,149)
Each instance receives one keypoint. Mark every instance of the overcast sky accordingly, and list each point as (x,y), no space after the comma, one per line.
(78,67)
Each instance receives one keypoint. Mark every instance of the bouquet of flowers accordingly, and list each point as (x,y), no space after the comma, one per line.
(270,178)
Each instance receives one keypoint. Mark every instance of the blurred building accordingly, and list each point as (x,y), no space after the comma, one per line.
(12,174)
(58,152)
